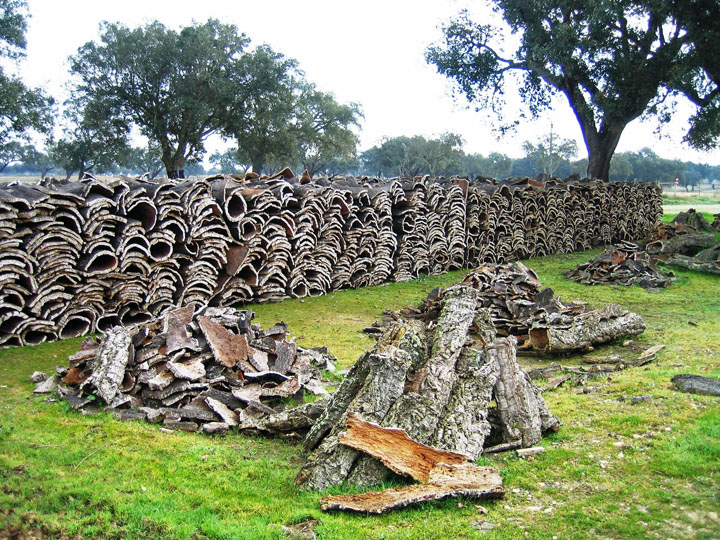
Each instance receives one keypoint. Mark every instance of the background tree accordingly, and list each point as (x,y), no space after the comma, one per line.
(12,152)
(324,128)
(550,152)
(262,117)
(144,160)
(613,60)
(22,109)
(497,165)
(701,81)
(413,156)
(229,162)
(174,86)
(90,144)
(38,160)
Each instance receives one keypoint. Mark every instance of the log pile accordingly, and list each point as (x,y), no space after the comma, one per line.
(675,244)
(79,257)
(449,383)
(539,320)
(211,369)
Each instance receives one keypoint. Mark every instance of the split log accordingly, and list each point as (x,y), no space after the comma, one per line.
(444,474)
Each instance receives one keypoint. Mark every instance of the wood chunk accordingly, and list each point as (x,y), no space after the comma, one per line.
(228,349)
(259,360)
(128,414)
(175,326)
(266,376)
(247,393)
(444,481)
(161,380)
(228,416)
(47,386)
(182,425)
(38,377)
(109,371)
(293,420)
(223,397)
(395,449)
(175,387)
(285,389)
(152,415)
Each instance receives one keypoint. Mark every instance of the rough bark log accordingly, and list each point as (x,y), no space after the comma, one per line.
(592,328)
(109,369)
(384,382)
(421,406)
(522,411)
(690,263)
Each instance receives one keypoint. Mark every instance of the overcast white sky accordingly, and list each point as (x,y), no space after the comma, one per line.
(370,52)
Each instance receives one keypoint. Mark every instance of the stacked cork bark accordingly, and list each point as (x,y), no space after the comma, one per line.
(76,257)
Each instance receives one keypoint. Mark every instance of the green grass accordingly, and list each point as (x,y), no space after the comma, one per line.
(63,474)
(711,198)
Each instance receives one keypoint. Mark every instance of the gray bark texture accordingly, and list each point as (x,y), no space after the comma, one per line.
(583,331)
(331,462)
(438,393)
(109,371)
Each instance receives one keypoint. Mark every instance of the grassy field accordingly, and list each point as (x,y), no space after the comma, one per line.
(618,468)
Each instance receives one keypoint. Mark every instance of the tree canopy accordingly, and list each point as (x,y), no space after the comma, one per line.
(613,60)
(174,86)
(21,108)
(413,156)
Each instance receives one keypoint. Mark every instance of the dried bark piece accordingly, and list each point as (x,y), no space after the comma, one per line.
(109,370)
(212,428)
(47,386)
(298,419)
(395,449)
(228,348)
(228,416)
(285,356)
(285,389)
(175,325)
(193,370)
(444,481)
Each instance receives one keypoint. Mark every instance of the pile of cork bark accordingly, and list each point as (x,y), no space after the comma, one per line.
(520,307)
(211,369)
(687,242)
(79,257)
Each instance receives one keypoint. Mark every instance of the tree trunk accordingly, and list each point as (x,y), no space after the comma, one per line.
(601,147)
(258,165)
